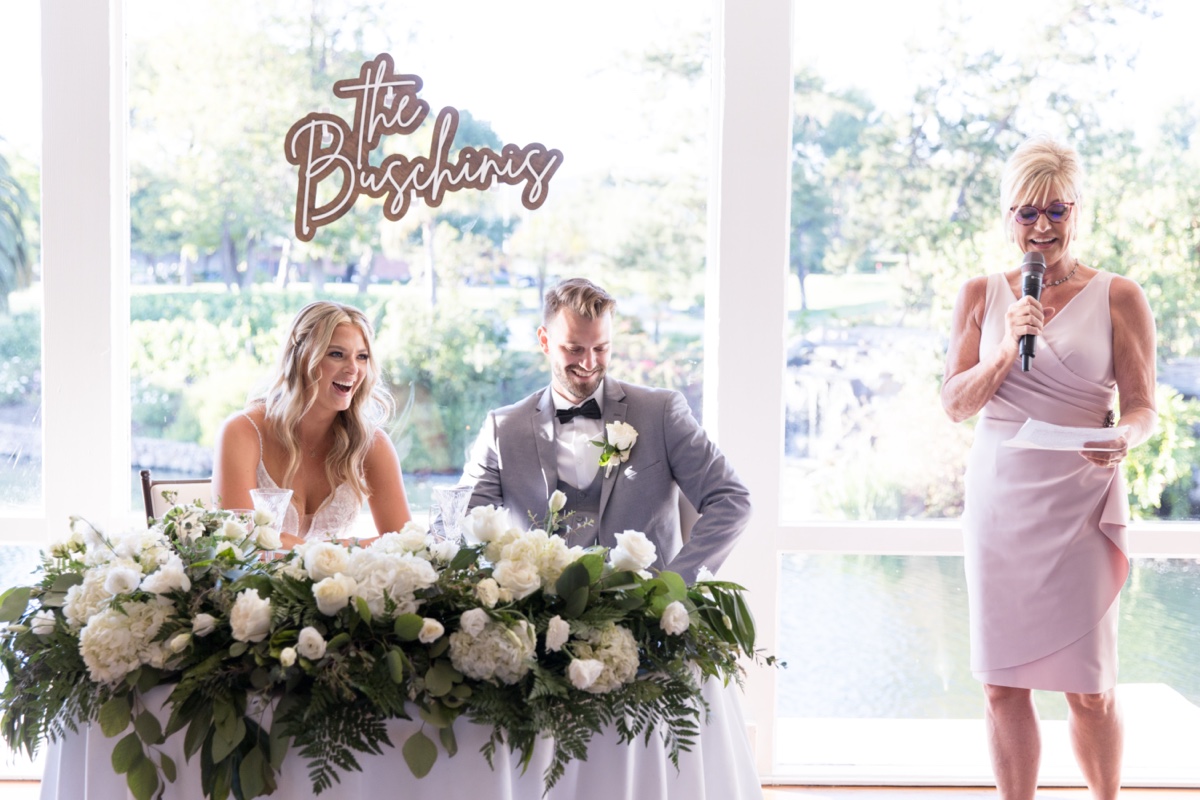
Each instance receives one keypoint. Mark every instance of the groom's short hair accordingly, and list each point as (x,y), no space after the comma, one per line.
(579,295)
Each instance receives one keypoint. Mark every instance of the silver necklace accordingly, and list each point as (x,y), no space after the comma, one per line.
(1063,280)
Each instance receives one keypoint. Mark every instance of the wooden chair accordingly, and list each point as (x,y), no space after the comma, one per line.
(184,492)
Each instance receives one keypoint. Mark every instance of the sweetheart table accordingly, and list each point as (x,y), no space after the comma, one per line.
(719,767)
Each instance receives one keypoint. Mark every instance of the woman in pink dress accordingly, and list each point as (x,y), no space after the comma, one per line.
(317,430)
(1044,530)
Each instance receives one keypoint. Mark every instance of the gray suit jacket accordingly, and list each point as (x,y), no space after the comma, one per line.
(514,464)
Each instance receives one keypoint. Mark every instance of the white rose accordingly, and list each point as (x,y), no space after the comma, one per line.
(558,501)
(634,552)
(488,592)
(267,538)
(557,633)
(250,617)
(583,672)
(122,577)
(333,593)
(180,642)
(519,577)
(622,436)
(262,518)
(170,577)
(325,559)
(234,530)
(42,622)
(675,619)
(287,656)
(485,523)
(431,631)
(704,575)
(203,624)
(444,551)
(473,621)
(413,536)
(311,644)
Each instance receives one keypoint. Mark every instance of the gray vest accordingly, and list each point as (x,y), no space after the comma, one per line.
(583,526)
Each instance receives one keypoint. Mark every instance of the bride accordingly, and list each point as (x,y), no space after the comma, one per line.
(317,430)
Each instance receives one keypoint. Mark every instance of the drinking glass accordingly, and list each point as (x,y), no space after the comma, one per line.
(447,512)
(274,502)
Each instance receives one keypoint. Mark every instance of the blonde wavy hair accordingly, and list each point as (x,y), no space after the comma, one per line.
(579,295)
(1040,166)
(292,390)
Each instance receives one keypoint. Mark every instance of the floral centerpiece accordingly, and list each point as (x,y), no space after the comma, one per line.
(314,650)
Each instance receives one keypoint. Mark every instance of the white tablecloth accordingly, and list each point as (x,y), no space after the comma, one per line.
(720,767)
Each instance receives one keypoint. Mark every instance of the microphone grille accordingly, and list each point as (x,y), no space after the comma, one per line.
(1034,261)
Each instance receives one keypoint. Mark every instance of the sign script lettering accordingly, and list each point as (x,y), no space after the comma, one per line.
(323,145)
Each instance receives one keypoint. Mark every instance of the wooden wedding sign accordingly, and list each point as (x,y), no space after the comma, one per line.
(323,145)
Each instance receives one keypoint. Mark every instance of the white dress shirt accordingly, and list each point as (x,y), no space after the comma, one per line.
(578,458)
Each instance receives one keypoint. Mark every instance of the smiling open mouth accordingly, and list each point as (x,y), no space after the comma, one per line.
(344,388)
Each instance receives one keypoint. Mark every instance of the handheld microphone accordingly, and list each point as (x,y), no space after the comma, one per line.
(1032,270)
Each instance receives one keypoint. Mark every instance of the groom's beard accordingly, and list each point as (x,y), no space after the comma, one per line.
(578,387)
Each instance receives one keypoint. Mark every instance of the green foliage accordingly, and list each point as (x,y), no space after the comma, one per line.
(231,633)
(21,366)
(16,249)
(1160,473)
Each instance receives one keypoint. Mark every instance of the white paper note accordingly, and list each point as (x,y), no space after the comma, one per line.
(1037,435)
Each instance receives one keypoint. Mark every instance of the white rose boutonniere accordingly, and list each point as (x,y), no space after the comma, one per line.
(620,437)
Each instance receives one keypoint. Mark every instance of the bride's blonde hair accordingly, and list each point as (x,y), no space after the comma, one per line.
(292,391)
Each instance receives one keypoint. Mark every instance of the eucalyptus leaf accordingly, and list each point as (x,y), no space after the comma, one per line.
(408,626)
(572,578)
(13,603)
(169,770)
(127,754)
(364,610)
(225,743)
(148,728)
(148,677)
(237,648)
(143,780)
(420,753)
(439,647)
(65,581)
(250,773)
(197,731)
(395,661)
(115,714)
(435,715)
(576,603)
(449,740)
(440,678)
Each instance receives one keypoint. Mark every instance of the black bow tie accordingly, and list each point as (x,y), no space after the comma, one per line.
(590,409)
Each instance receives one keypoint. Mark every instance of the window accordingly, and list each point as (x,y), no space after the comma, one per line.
(217,271)
(895,179)
(20,264)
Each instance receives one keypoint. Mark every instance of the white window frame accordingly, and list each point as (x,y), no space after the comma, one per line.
(85,230)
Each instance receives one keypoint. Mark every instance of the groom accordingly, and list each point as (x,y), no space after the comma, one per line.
(529,449)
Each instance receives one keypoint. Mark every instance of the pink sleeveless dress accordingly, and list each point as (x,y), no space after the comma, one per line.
(1045,543)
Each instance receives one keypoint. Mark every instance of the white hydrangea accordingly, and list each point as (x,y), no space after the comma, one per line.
(84,600)
(615,647)
(498,652)
(381,575)
(114,643)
